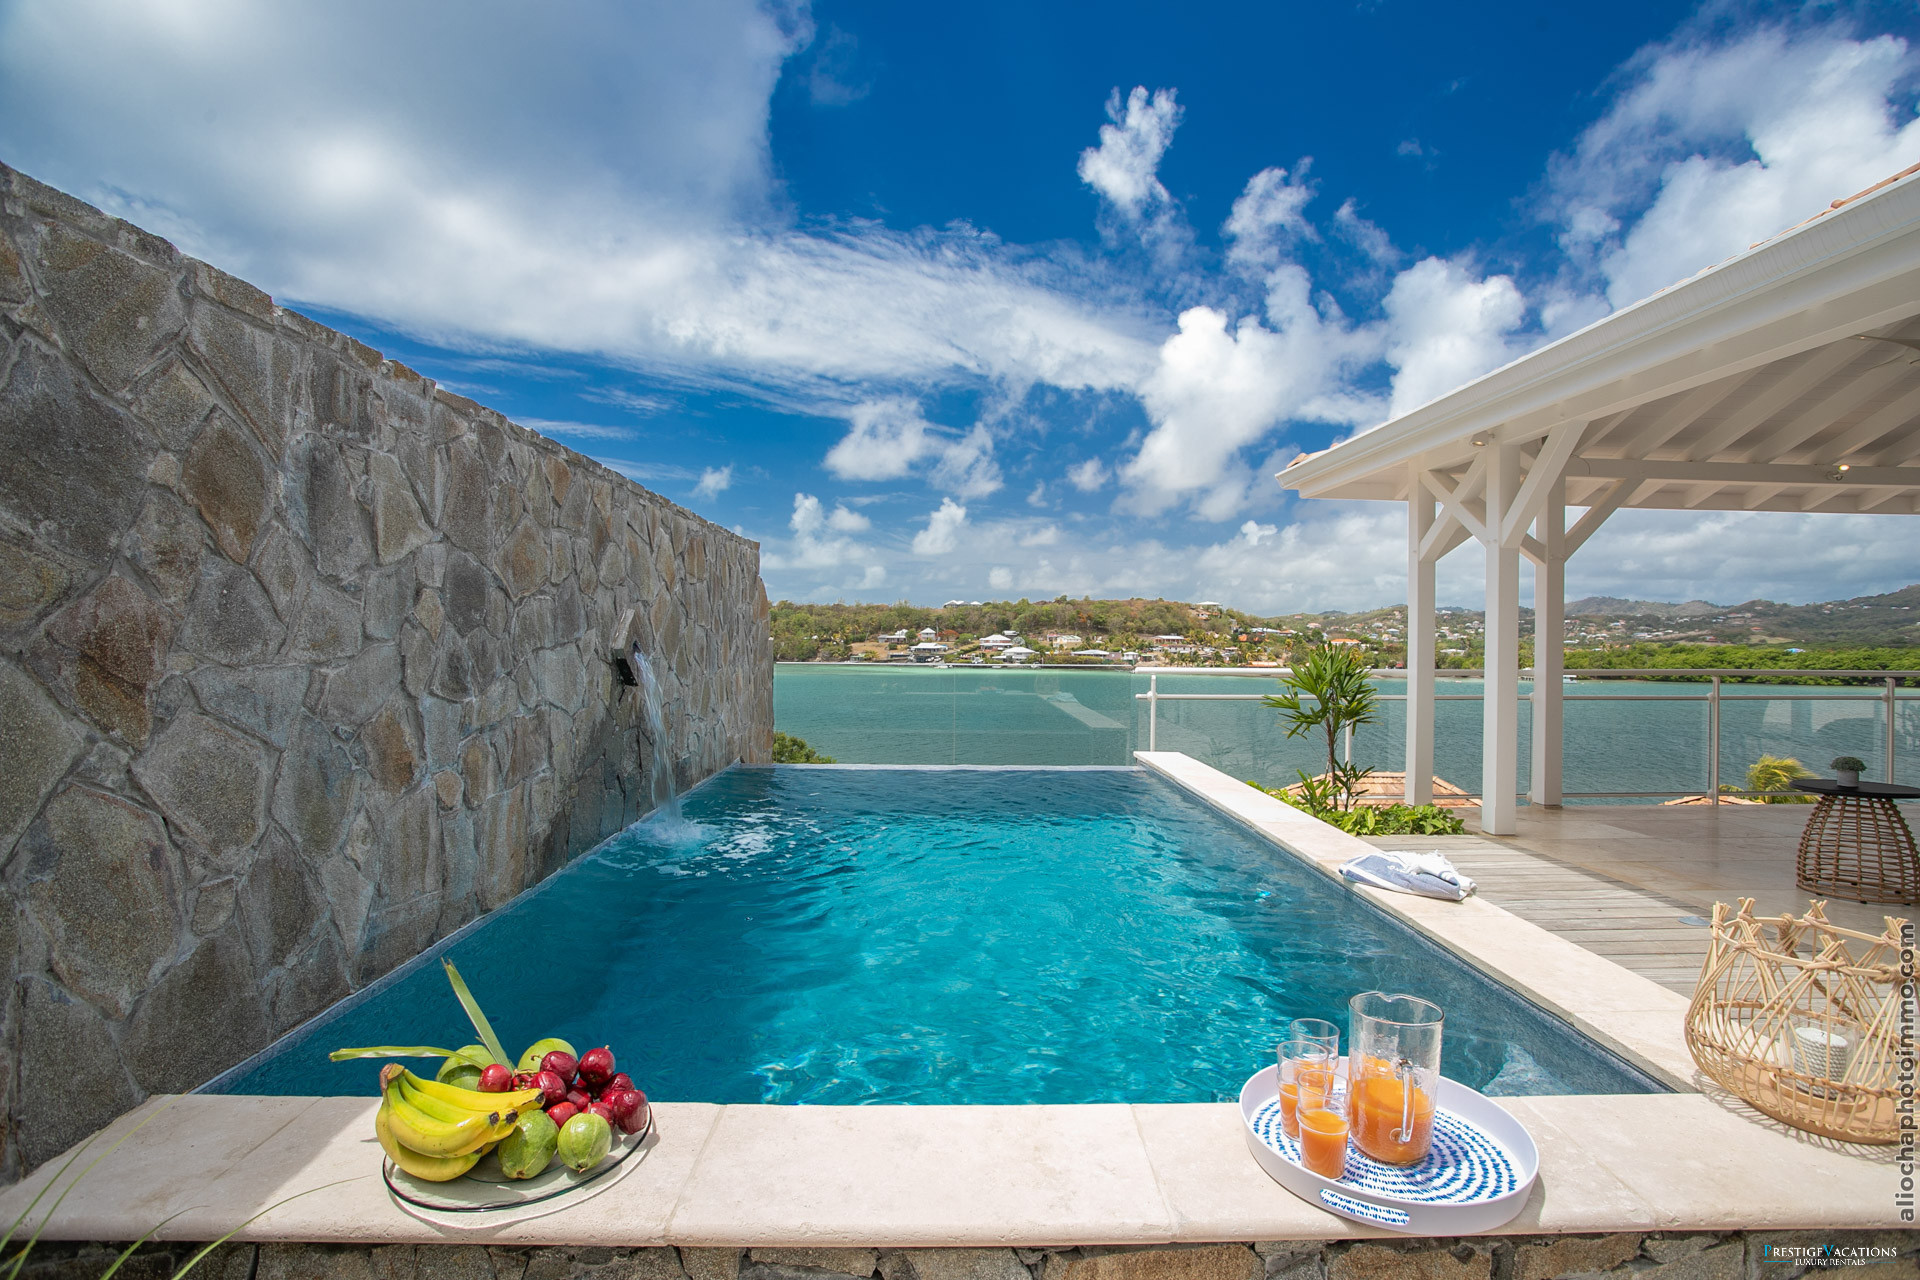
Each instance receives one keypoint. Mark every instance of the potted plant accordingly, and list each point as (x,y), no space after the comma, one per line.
(1846,770)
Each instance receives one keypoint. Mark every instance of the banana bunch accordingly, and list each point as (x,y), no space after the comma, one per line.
(437,1131)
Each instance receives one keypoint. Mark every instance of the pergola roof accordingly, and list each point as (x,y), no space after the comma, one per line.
(1786,378)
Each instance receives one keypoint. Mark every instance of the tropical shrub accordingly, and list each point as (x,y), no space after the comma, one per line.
(1369,819)
(788,749)
(1774,773)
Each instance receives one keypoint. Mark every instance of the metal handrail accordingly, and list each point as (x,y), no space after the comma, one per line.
(1713,697)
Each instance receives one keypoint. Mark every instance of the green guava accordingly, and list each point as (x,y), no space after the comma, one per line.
(530,1060)
(585,1141)
(530,1147)
(464,1067)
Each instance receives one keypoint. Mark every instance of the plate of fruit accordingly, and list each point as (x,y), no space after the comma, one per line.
(489,1132)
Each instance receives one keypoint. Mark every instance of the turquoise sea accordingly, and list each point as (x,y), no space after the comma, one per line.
(984,715)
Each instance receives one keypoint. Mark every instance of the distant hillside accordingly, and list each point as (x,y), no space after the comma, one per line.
(1614,607)
(1605,624)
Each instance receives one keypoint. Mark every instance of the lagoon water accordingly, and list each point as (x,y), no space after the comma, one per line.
(991,715)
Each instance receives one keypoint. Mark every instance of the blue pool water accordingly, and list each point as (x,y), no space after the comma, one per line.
(854,935)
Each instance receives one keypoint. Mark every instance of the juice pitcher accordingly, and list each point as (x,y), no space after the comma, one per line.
(1393,1074)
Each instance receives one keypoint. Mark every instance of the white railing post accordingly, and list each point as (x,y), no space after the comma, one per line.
(1153,713)
(1893,703)
(1713,744)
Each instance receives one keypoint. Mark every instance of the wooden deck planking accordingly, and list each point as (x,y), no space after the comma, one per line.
(1637,930)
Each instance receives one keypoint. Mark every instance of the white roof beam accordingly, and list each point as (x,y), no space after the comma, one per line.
(1780,397)
(1680,415)
(1547,467)
(1760,495)
(1796,429)
(1782,473)
(1596,515)
(1875,427)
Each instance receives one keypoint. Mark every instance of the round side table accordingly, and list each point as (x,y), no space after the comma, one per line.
(1857,845)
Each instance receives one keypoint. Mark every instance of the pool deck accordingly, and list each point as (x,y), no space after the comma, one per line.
(1033,1175)
(1622,881)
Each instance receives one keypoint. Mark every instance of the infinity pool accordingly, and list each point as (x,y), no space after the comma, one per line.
(876,935)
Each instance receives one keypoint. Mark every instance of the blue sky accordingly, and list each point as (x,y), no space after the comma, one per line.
(1025,300)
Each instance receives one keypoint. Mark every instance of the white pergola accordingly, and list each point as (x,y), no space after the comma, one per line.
(1784,379)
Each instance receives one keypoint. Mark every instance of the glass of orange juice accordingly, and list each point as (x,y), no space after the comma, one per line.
(1393,1074)
(1305,1072)
(1317,1029)
(1323,1139)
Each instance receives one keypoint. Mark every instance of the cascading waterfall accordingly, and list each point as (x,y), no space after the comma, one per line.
(665,823)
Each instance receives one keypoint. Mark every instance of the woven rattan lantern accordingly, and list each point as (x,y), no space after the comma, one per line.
(1801,1018)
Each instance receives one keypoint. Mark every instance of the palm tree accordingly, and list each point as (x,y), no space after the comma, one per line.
(1774,773)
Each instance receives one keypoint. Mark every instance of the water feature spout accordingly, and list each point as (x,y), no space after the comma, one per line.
(665,822)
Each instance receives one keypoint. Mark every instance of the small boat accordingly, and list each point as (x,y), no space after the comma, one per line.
(1568,679)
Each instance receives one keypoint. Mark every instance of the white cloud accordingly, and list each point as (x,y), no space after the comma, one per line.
(714,481)
(1253,532)
(966,467)
(1714,146)
(1219,389)
(942,533)
(1046,535)
(1124,167)
(1088,476)
(887,437)
(874,576)
(1038,497)
(846,521)
(1267,218)
(618,203)
(812,548)
(1001,578)
(576,430)
(1445,328)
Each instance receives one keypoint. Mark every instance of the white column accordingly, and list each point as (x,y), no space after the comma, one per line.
(1549,645)
(1420,622)
(1500,743)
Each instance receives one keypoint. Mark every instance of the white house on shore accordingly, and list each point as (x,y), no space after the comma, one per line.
(996,641)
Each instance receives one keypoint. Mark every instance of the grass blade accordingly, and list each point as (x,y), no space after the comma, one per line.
(128,1251)
(194,1261)
(479,1019)
(20,1259)
(35,1202)
(383,1051)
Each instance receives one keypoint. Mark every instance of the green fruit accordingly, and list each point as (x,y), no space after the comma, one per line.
(585,1141)
(464,1067)
(529,1148)
(530,1060)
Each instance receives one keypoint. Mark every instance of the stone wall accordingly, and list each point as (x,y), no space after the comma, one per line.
(1626,1256)
(304,663)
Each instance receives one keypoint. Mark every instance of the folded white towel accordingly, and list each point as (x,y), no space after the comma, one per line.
(1428,874)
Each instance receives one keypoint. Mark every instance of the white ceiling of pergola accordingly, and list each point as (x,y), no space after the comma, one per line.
(1786,379)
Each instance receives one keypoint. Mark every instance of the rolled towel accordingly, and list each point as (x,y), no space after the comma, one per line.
(1430,875)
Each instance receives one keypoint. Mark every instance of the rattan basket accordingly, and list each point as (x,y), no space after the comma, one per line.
(1801,1018)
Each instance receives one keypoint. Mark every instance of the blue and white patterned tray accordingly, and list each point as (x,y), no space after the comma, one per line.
(1475,1178)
